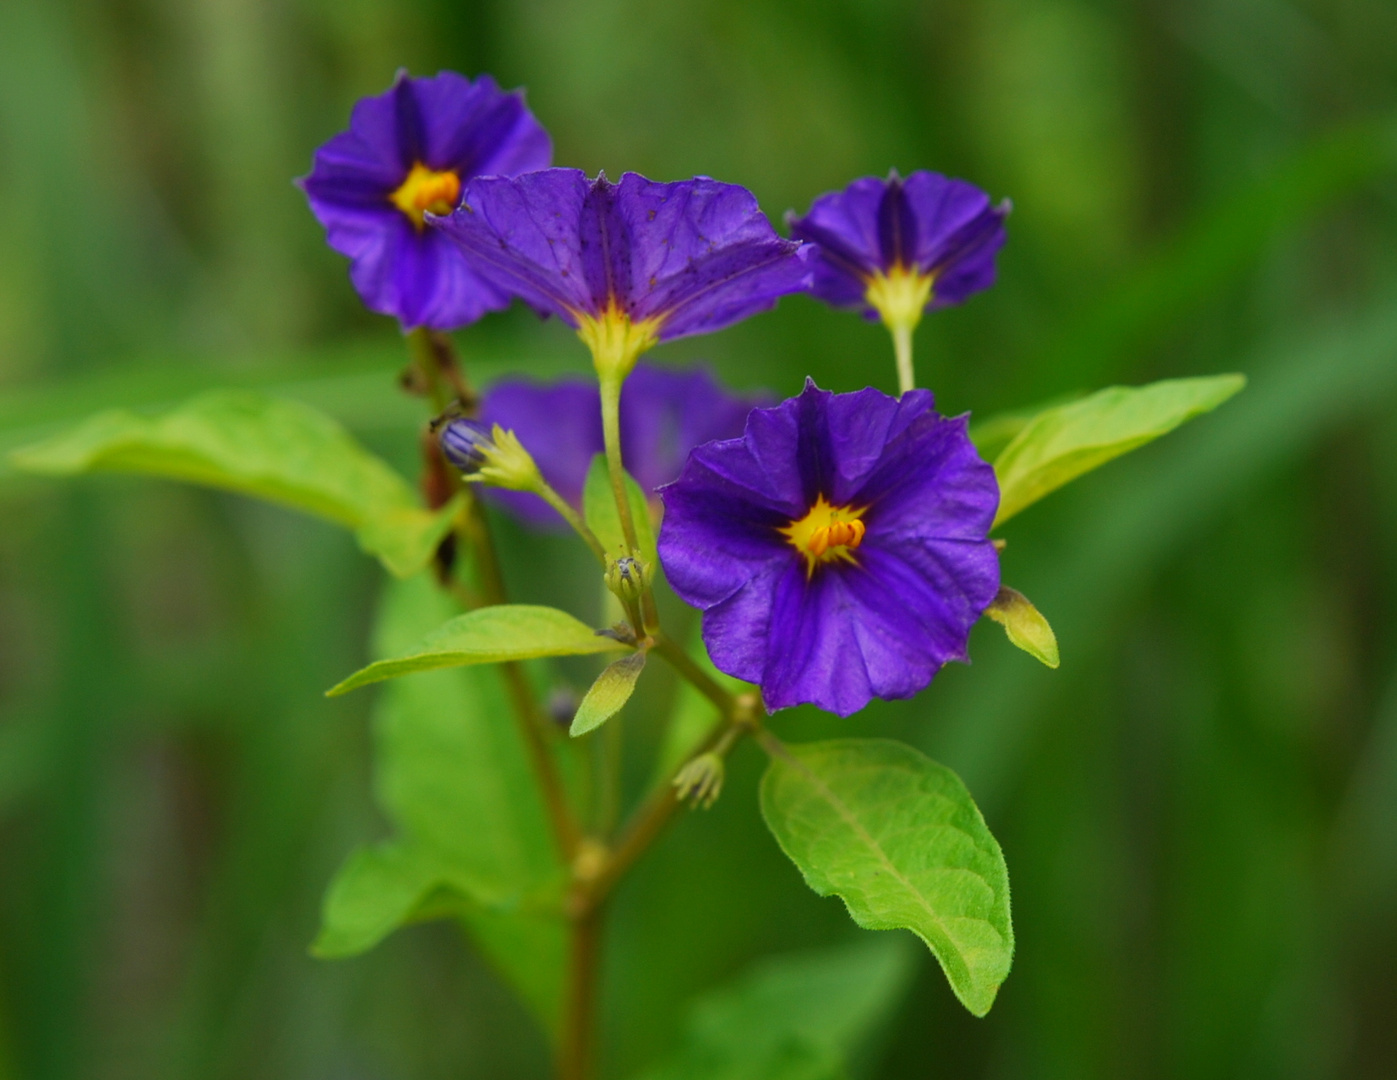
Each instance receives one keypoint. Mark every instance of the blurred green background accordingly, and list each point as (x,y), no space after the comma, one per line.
(1199,809)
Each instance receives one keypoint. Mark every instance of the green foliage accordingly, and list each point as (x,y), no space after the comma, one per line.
(599,510)
(800,1017)
(900,840)
(449,759)
(488,635)
(269,448)
(1062,443)
(1024,625)
(605,697)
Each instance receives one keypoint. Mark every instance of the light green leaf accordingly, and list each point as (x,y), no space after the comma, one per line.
(273,449)
(608,694)
(599,510)
(994,433)
(448,756)
(797,1017)
(489,635)
(1062,443)
(899,839)
(1024,624)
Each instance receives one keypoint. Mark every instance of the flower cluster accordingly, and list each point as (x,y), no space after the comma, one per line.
(836,544)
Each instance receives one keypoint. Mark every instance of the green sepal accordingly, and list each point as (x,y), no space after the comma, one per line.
(488,635)
(1060,444)
(599,511)
(270,448)
(899,839)
(1024,625)
(606,696)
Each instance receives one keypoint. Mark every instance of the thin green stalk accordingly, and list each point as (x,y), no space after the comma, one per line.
(902,348)
(616,469)
(573,518)
(684,664)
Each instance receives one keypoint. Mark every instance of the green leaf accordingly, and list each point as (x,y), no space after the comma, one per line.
(1025,626)
(798,1017)
(273,449)
(608,694)
(1062,443)
(448,757)
(488,635)
(599,510)
(898,837)
(994,433)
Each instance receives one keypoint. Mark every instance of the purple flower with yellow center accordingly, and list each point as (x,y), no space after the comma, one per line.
(839,550)
(896,248)
(407,153)
(629,264)
(664,414)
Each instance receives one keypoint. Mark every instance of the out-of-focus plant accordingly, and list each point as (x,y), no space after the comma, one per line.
(839,547)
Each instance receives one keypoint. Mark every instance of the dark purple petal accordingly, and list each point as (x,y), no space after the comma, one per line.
(694,256)
(444,123)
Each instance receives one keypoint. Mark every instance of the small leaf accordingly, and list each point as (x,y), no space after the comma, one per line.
(270,448)
(488,635)
(599,509)
(1062,443)
(899,839)
(796,1017)
(605,697)
(1025,626)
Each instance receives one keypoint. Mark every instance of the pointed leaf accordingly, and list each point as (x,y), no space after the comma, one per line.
(899,839)
(599,509)
(1064,442)
(1025,626)
(273,449)
(608,694)
(488,635)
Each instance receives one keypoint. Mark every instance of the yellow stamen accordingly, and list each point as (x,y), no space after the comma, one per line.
(899,296)
(827,533)
(426,191)
(615,341)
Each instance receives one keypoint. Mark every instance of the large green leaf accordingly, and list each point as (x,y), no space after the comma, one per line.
(449,759)
(899,839)
(273,449)
(488,635)
(599,509)
(1062,443)
(798,1017)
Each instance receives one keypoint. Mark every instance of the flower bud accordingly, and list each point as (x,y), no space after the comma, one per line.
(701,780)
(489,455)
(626,578)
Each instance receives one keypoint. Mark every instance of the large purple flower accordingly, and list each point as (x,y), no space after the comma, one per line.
(409,152)
(839,550)
(899,247)
(626,264)
(664,415)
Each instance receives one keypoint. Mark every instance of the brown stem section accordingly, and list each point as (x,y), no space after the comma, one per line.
(577,1046)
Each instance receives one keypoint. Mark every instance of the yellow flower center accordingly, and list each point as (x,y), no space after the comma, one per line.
(826,533)
(615,341)
(426,191)
(899,296)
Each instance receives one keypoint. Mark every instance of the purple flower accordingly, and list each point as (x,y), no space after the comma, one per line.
(664,415)
(626,264)
(839,550)
(899,247)
(409,152)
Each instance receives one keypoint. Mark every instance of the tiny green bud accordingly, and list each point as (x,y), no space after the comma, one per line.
(626,577)
(1024,624)
(701,780)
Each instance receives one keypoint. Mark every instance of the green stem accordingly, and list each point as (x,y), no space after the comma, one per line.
(684,664)
(616,469)
(573,518)
(902,347)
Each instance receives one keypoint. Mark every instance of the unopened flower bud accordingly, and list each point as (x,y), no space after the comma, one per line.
(626,577)
(701,780)
(491,456)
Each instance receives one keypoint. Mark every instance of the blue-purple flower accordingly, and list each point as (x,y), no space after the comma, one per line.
(409,152)
(896,247)
(664,415)
(627,264)
(839,550)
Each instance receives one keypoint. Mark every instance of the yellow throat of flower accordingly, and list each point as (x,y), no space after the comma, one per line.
(426,191)
(615,341)
(899,296)
(826,533)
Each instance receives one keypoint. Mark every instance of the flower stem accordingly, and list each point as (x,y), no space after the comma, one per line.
(611,435)
(577,1045)
(684,664)
(572,517)
(902,347)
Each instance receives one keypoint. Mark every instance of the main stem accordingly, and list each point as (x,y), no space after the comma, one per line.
(577,1045)
(616,469)
(902,347)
